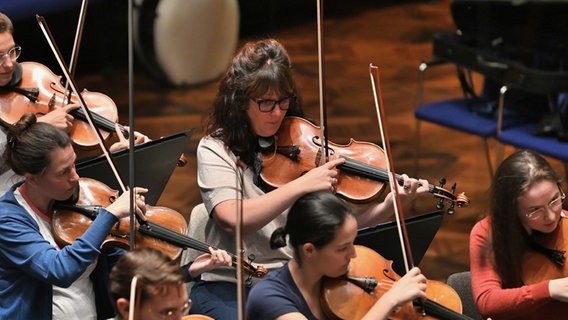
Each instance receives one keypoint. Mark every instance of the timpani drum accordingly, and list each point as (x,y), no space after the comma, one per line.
(185,42)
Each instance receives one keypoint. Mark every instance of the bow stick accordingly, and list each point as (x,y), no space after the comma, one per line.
(45,29)
(49,37)
(402,232)
(76,44)
(321,81)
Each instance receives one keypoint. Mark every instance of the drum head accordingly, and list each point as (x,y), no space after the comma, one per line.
(185,42)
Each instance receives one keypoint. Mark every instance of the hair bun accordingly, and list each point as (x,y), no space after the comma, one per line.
(278,238)
(26,120)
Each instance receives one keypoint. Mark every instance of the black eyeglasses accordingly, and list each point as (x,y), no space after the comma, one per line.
(267,105)
(13,53)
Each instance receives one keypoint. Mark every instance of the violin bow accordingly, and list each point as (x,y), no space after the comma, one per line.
(49,37)
(45,29)
(321,81)
(401,225)
(241,303)
(76,45)
(131,139)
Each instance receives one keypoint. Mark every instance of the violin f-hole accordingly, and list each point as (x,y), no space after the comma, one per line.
(316,139)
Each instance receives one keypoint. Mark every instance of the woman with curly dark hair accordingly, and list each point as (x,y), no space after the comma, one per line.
(255,95)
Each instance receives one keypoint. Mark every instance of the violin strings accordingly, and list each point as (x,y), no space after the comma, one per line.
(363,169)
(433,308)
(175,238)
(105,123)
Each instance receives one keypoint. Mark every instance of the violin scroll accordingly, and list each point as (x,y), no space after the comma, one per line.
(257,272)
(461,200)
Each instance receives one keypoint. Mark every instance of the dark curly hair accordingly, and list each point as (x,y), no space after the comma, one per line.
(257,68)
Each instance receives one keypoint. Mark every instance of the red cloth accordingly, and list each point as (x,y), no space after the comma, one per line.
(526,302)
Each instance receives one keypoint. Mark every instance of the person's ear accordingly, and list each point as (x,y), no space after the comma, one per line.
(308,249)
(122,306)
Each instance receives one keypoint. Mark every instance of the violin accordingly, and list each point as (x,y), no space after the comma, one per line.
(370,276)
(547,262)
(71,221)
(40,91)
(297,149)
(164,230)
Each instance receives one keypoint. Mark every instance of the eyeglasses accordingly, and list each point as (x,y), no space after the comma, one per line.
(554,204)
(13,53)
(173,313)
(267,105)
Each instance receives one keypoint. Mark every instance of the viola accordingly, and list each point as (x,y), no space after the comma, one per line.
(297,149)
(547,262)
(164,230)
(370,276)
(40,91)
(71,221)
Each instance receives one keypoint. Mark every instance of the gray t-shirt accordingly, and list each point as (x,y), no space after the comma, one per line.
(220,179)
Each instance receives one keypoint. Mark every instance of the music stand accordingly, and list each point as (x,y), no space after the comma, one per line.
(384,238)
(154,162)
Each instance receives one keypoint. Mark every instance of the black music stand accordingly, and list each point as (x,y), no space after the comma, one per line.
(384,238)
(154,163)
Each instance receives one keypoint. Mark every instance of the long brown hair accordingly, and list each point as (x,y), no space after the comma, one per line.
(515,175)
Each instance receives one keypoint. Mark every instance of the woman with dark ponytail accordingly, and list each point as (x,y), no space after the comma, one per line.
(321,229)
(38,279)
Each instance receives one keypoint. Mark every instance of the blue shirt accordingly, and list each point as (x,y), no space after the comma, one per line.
(276,295)
(30,265)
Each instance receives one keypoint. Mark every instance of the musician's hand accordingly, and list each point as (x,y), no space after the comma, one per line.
(410,287)
(209,261)
(138,137)
(123,143)
(320,178)
(121,206)
(411,188)
(60,117)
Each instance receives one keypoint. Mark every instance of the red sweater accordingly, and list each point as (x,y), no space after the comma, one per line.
(526,302)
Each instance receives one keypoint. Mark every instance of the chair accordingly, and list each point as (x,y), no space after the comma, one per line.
(527,60)
(196,229)
(461,282)
(523,137)
(460,114)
